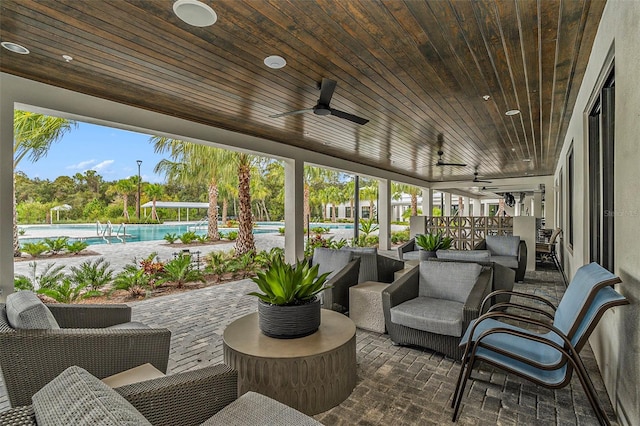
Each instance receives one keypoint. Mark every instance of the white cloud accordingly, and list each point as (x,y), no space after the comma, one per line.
(81,165)
(102,165)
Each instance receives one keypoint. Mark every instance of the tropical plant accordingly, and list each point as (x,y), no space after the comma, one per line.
(218,262)
(245,242)
(170,238)
(368,226)
(231,235)
(319,241)
(50,276)
(57,245)
(180,271)
(188,237)
(433,242)
(132,279)
(265,258)
(33,136)
(124,188)
(320,230)
(154,191)
(201,238)
(284,284)
(92,275)
(244,265)
(67,292)
(35,249)
(76,247)
(400,236)
(281,230)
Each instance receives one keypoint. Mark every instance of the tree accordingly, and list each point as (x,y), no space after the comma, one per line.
(370,193)
(33,135)
(413,192)
(124,187)
(196,163)
(154,191)
(245,242)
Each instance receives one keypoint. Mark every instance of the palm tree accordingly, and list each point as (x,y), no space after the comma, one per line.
(413,192)
(154,191)
(370,193)
(348,194)
(336,196)
(245,242)
(313,176)
(195,163)
(123,188)
(33,136)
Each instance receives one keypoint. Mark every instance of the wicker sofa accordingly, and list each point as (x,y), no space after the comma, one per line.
(431,305)
(207,396)
(99,338)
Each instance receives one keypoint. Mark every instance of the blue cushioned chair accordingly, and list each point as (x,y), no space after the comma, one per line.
(546,358)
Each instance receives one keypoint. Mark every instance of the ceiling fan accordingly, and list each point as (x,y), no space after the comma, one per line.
(322,107)
(441,162)
(476,180)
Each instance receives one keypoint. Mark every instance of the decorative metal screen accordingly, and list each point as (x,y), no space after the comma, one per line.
(468,231)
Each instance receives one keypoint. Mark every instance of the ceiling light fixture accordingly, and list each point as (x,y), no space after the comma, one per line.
(15,48)
(486,97)
(67,58)
(275,62)
(512,112)
(195,13)
(526,159)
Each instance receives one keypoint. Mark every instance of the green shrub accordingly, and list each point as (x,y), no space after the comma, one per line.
(133,280)
(92,275)
(202,238)
(21,282)
(50,277)
(243,265)
(265,258)
(67,292)
(35,249)
(57,245)
(218,262)
(76,246)
(398,237)
(231,235)
(281,230)
(319,241)
(170,238)
(320,230)
(188,237)
(180,271)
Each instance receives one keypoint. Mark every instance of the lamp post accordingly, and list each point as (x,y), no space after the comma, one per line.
(139,163)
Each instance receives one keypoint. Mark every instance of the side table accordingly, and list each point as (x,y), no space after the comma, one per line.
(365,306)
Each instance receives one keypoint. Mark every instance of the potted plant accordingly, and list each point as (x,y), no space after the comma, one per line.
(289,306)
(430,243)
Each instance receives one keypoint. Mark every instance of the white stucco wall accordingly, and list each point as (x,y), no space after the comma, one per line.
(616,341)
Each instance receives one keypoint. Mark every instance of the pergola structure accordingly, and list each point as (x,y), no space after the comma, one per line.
(522,91)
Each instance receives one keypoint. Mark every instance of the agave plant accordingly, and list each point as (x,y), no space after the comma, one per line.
(284,284)
(433,242)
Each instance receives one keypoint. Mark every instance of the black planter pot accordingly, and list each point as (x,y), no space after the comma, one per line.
(289,322)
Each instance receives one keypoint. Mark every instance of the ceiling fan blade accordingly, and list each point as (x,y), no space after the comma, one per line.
(482,181)
(442,163)
(347,116)
(326,91)
(300,111)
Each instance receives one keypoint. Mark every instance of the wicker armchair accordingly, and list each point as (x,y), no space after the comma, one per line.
(208,396)
(31,358)
(441,314)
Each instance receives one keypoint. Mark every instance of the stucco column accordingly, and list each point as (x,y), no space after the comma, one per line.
(427,201)
(293,210)
(467,206)
(6,194)
(537,204)
(549,207)
(446,211)
(477,207)
(384,214)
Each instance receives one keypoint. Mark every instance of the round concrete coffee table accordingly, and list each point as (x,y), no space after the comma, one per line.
(311,374)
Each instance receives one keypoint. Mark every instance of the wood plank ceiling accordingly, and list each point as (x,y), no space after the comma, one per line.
(415,69)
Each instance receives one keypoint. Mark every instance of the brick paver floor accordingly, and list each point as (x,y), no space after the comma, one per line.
(396,385)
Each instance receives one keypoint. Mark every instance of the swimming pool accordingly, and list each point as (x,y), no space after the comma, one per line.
(133,233)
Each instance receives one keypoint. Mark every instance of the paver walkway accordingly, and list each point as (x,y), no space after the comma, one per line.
(396,385)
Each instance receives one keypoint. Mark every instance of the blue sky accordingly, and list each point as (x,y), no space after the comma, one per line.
(112,153)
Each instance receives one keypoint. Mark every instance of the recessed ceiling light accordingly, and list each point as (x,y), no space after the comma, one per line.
(526,159)
(275,62)
(486,97)
(67,58)
(195,13)
(512,112)
(15,48)
(513,149)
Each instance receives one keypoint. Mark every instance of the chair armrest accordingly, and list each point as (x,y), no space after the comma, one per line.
(491,295)
(32,358)
(387,267)
(187,398)
(406,247)
(90,316)
(337,297)
(522,255)
(482,287)
(403,289)
(482,245)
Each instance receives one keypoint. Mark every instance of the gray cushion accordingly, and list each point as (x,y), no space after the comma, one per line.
(77,398)
(411,255)
(26,311)
(470,255)
(431,315)
(330,260)
(255,409)
(503,245)
(508,261)
(448,280)
(368,262)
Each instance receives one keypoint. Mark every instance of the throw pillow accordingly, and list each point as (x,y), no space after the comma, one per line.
(76,397)
(26,311)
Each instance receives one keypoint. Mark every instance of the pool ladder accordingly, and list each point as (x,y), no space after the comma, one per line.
(106,231)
